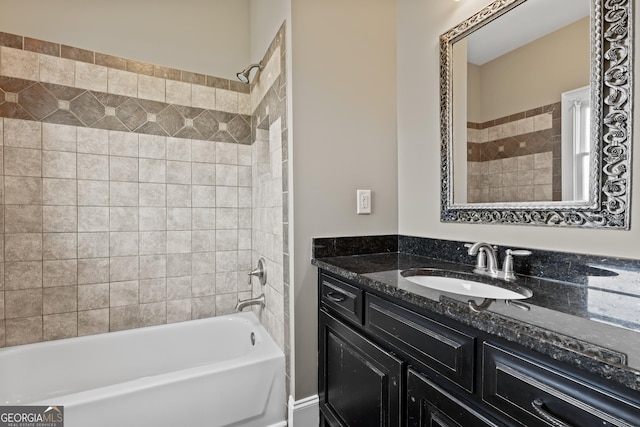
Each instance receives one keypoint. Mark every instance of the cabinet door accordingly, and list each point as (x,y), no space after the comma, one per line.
(430,406)
(359,382)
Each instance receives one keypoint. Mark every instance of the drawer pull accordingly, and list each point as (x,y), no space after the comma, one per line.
(537,406)
(336,297)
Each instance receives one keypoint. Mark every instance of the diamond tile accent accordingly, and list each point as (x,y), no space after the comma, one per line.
(63,105)
(110,111)
(11,97)
(222,126)
(131,114)
(171,120)
(188,122)
(38,101)
(87,108)
(151,117)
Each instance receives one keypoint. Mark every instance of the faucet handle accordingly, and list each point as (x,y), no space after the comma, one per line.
(507,267)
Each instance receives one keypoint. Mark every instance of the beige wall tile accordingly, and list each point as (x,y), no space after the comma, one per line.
(178,287)
(178,264)
(60,300)
(23,331)
(204,151)
(153,313)
(58,164)
(123,293)
(93,167)
(225,304)
(203,263)
(59,191)
(204,196)
(23,247)
(93,322)
(123,268)
(58,326)
(153,242)
(203,285)
(123,243)
(57,137)
(93,245)
(59,246)
(178,310)
(93,218)
(226,100)
(122,82)
(94,270)
(179,196)
(203,97)
(22,162)
(153,147)
(203,307)
(60,273)
(94,296)
(92,141)
(178,93)
(153,266)
(23,219)
(91,77)
(153,290)
(22,133)
(179,172)
(152,170)
(178,219)
(152,88)
(60,219)
(19,63)
(203,218)
(152,195)
(22,275)
(123,169)
(244,104)
(23,303)
(123,219)
(125,317)
(178,242)
(93,193)
(123,193)
(123,144)
(179,149)
(153,218)
(57,70)
(204,173)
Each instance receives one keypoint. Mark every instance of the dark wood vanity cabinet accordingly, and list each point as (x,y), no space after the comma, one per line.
(385,364)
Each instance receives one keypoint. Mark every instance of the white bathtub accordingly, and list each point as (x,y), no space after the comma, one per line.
(199,373)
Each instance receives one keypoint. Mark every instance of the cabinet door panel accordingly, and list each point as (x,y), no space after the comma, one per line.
(430,406)
(360,383)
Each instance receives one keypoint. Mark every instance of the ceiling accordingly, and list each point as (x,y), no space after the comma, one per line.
(523,24)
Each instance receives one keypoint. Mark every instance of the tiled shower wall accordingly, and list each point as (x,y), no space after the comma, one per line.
(515,158)
(270,224)
(126,193)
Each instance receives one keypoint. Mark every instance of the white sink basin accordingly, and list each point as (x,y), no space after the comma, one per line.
(466,287)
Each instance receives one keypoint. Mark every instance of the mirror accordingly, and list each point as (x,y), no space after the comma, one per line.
(535,114)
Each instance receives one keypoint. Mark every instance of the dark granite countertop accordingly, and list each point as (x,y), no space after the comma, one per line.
(583,313)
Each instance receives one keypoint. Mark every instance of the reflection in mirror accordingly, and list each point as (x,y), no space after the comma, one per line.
(535,109)
(507,113)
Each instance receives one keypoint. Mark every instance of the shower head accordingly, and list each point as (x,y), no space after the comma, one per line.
(243,75)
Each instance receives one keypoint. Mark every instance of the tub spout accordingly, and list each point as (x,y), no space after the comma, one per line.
(250,301)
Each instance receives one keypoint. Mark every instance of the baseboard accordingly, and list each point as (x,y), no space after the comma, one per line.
(304,412)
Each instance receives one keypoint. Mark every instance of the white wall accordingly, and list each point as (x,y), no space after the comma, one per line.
(209,37)
(420,23)
(344,108)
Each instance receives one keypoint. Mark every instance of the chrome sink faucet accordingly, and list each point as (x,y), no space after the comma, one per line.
(487,262)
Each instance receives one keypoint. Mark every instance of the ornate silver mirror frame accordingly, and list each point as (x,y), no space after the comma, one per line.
(611,94)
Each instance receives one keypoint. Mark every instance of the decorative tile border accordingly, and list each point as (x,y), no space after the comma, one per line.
(528,132)
(53,103)
(110,61)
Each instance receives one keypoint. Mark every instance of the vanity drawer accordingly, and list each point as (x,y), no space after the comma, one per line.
(533,394)
(437,347)
(430,405)
(342,297)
